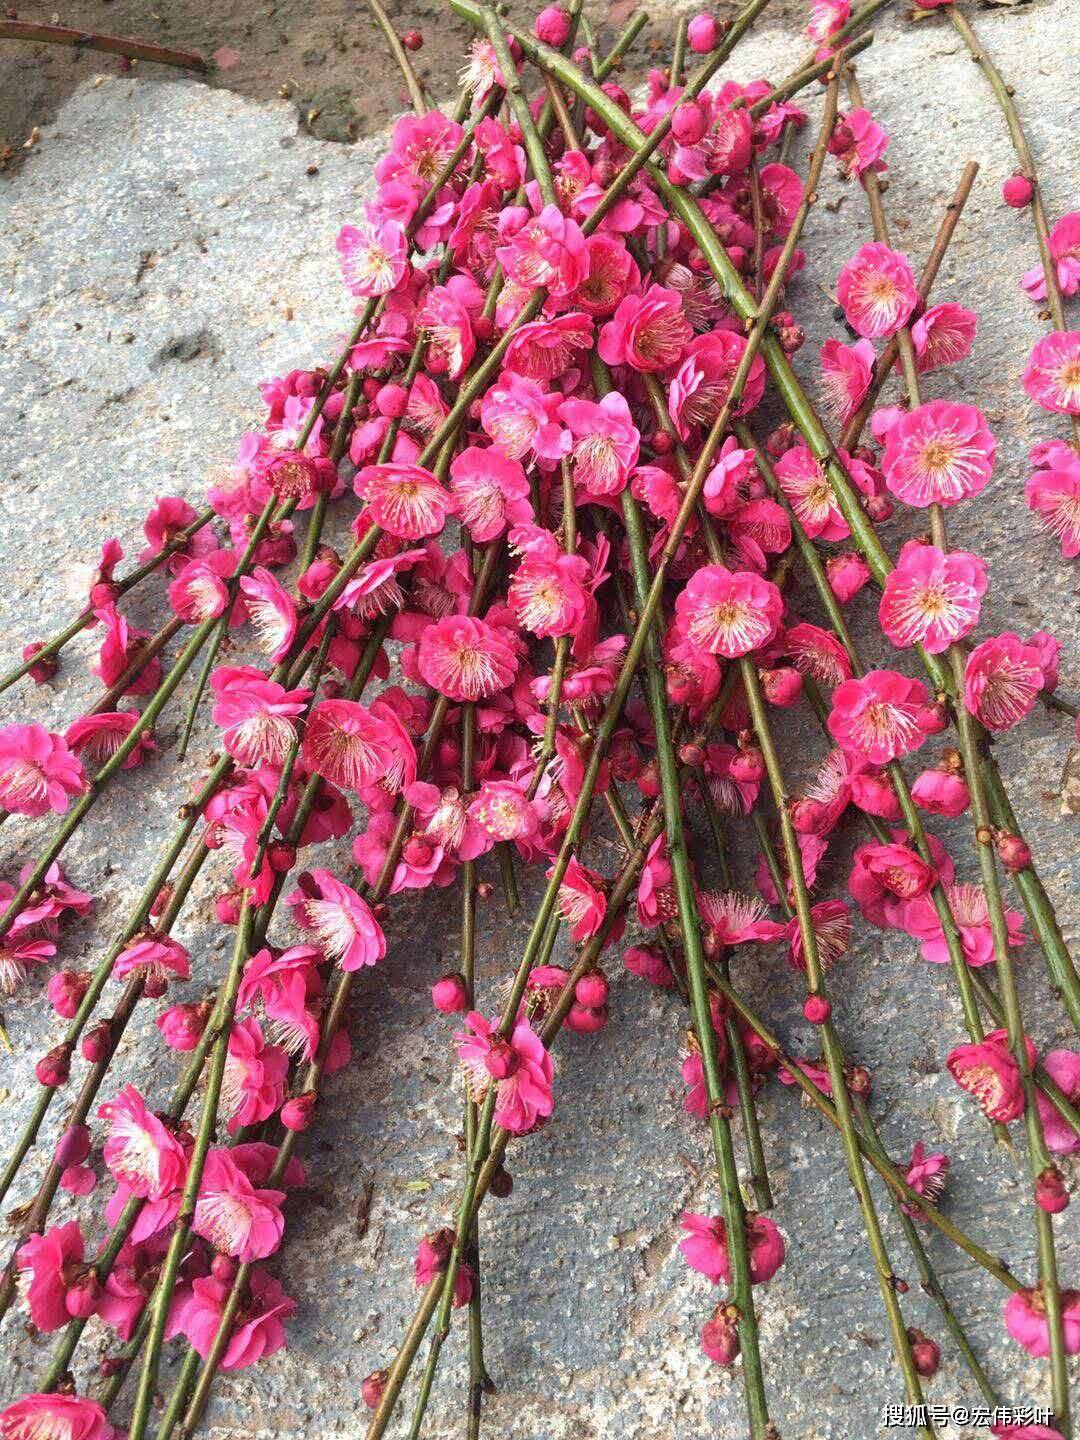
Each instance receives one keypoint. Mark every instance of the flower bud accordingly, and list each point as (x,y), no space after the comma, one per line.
(847,573)
(82,1298)
(689,124)
(691,755)
(703,33)
(1012,851)
(586,1020)
(43,669)
(282,857)
(592,989)
(484,330)
(392,401)
(1050,1192)
(73,1146)
(720,1335)
(450,995)
(161,900)
(227,907)
(296,1114)
(648,780)
(780,440)
(924,1353)
(54,1068)
(223,1268)
(880,508)
(412,40)
(182,1026)
(502,1060)
(859,1082)
(553,26)
(782,685)
(816,1009)
(1017,191)
(502,1183)
(97,1043)
(66,990)
(371,1389)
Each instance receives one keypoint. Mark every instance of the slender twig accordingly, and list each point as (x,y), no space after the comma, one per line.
(39,34)
(401,55)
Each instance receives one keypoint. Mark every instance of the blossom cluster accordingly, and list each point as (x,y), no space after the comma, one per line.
(549,392)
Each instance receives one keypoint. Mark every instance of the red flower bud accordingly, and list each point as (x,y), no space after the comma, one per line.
(816,1009)
(1050,1192)
(296,1114)
(97,1043)
(450,995)
(924,1353)
(412,40)
(55,1067)
(1017,191)
(1012,851)
(371,1389)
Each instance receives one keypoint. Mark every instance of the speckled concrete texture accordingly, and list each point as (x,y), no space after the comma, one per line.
(166,247)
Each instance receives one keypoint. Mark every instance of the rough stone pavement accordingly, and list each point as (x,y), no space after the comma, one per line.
(166,247)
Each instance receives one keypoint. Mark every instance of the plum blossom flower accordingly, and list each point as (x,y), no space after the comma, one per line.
(833,930)
(859,143)
(55,1417)
(549,591)
(582,902)
(548,250)
(256,714)
(939,453)
(253,1087)
(605,445)
(355,747)
(647,332)
(826,17)
(1063,1067)
(1002,680)
(374,258)
(701,386)
(544,349)
(200,591)
(876,289)
(466,659)
(942,335)
(706,1249)
(271,610)
(1052,377)
(520,415)
(235,1217)
(140,1152)
(1065,252)
(989,1073)
(804,481)
(817,652)
(520,1068)
(1053,493)
(17,954)
(503,809)
(879,716)
(38,772)
(1026,1321)
(491,492)
(257,1332)
(731,918)
(157,957)
(405,500)
(972,915)
(931,598)
(845,376)
(729,613)
(346,930)
(926,1174)
(47,1257)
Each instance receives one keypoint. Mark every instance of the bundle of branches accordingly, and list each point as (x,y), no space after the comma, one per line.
(559,642)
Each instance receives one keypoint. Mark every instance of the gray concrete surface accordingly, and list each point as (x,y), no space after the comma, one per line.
(163,250)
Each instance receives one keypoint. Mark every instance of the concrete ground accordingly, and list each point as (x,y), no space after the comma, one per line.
(165,247)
